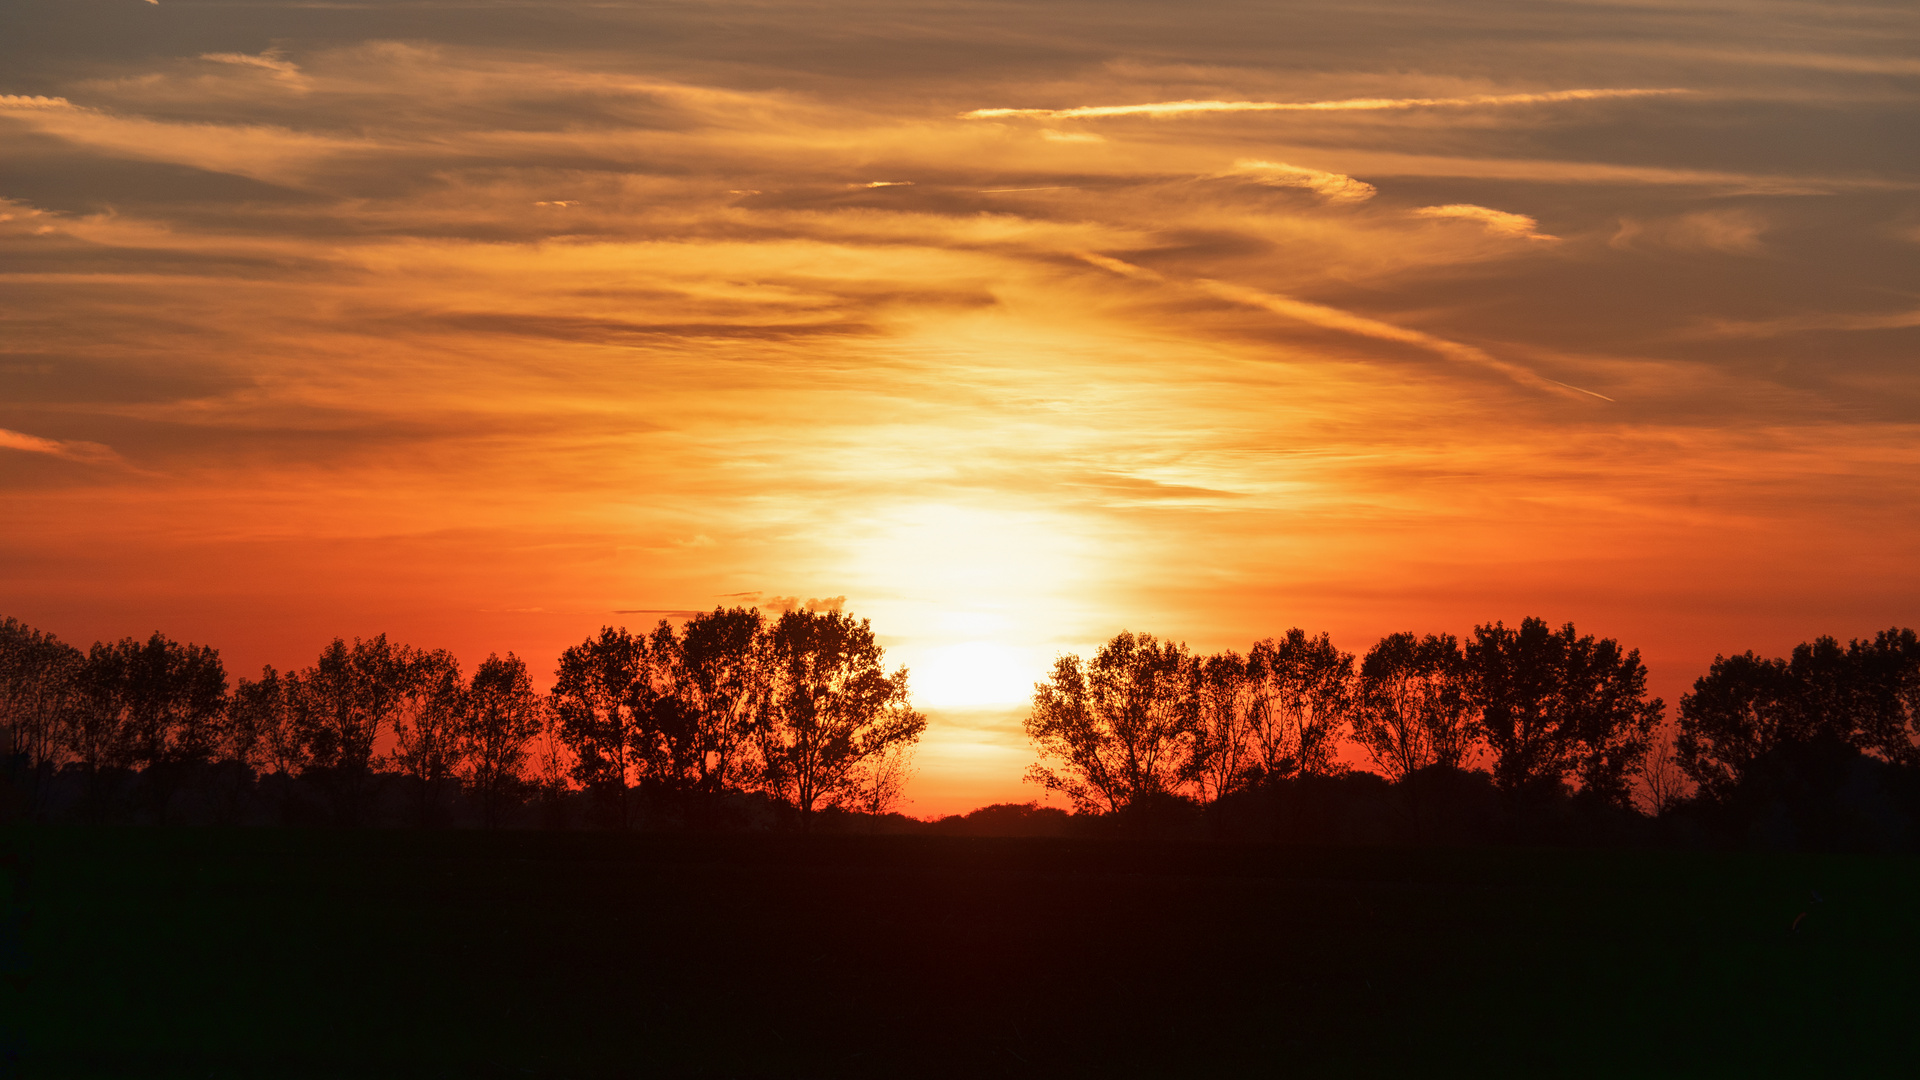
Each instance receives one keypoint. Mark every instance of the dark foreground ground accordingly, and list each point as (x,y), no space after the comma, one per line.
(283,953)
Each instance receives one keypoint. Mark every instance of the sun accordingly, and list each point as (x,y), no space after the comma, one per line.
(976,600)
(974,675)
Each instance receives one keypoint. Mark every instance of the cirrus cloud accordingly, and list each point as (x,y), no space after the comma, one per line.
(1187,108)
(1499,222)
(86,452)
(1331,186)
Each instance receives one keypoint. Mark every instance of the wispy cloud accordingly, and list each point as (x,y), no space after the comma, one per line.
(87,452)
(33,101)
(1185,108)
(1496,221)
(1390,163)
(1797,324)
(280,68)
(1332,186)
(1728,232)
(1332,318)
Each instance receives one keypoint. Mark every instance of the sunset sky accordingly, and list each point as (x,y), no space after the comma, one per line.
(1014,324)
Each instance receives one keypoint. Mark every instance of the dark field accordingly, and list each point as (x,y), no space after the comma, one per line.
(271,953)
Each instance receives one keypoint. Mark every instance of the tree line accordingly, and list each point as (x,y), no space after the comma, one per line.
(796,714)
(734,718)
(1527,720)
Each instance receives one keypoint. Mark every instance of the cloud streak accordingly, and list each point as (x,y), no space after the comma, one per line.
(84,452)
(1375,104)
(1332,318)
(1331,186)
(1799,324)
(1498,222)
(281,69)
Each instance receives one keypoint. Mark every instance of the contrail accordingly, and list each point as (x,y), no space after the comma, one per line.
(1332,318)
(1179,108)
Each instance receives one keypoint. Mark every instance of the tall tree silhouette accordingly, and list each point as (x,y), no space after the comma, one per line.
(1557,707)
(1739,710)
(1889,667)
(260,729)
(1411,704)
(1303,698)
(40,687)
(337,709)
(831,710)
(342,701)
(503,716)
(39,676)
(428,724)
(1223,726)
(594,702)
(1119,728)
(721,669)
(668,744)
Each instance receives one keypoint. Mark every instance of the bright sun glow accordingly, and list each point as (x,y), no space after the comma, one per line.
(973,674)
(975,601)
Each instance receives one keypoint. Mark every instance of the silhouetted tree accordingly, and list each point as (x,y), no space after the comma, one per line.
(1889,668)
(153,705)
(503,716)
(39,677)
(158,701)
(1120,726)
(337,708)
(40,684)
(1557,707)
(880,783)
(552,764)
(243,728)
(1223,727)
(593,698)
(429,721)
(1663,783)
(831,710)
(1411,707)
(1303,698)
(721,669)
(341,702)
(260,730)
(1865,695)
(1741,709)
(668,748)
(694,700)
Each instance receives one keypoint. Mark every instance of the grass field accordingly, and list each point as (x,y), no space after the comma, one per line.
(275,953)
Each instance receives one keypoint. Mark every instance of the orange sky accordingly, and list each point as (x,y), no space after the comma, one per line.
(1015,324)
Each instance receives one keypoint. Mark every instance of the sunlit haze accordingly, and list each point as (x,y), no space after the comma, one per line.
(1012,325)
